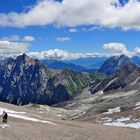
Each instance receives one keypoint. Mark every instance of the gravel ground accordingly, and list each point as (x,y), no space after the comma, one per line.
(19,129)
(65,130)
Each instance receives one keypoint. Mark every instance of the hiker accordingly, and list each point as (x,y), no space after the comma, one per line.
(4,117)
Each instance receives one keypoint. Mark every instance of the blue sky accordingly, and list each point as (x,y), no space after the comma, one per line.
(69,34)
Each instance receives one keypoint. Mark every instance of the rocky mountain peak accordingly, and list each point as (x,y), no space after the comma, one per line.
(123,60)
(67,71)
(126,77)
(112,64)
(26,80)
(128,69)
(24,58)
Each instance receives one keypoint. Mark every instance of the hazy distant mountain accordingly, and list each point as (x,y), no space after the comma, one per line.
(59,65)
(136,60)
(90,63)
(112,64)
(24,80)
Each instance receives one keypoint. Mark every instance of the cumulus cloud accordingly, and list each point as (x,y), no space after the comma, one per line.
(28,38)
(73,30)
(15,38)
(14,49)
(136,51)
(63,39)
(84,29)
(107,13)
(14,45)
(8,48)
(11,38)
(120,48)
(62,55)
(116,48)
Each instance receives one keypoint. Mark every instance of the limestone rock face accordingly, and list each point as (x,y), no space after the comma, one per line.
(24,80)
(128,76)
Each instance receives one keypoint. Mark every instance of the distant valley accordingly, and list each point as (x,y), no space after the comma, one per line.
(60,65)
(90,65)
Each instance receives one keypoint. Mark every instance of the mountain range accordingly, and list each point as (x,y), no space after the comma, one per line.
(59,65)
(24,80)
(110,96)
(120,74)
(90,64)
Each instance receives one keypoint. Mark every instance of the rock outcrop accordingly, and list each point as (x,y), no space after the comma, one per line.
(24,80)
(127,76)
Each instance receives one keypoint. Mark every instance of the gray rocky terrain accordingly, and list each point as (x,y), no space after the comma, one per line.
(25,80)
(51,126)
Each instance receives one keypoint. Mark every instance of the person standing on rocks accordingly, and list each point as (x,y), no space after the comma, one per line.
(4,117)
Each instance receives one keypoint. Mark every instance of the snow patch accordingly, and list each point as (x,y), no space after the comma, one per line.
(121,122)
(123,119)
(21,115)
(10,111)
(59,115)
(106,119)
(137,106)
(4,126)
(113,110)
(77,116)
(101,92)
(113,80)
(97,85)
(136,81)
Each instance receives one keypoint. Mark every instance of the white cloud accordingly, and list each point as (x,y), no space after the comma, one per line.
(63,39)
(73,30)
(11,38)
(15,38)
(137,51)
(14,49)
(119,48)
(90,29)
(84,29)
(116,48)
(14,45)
(73,13)
(8,48)
(28,38)
(63,55)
